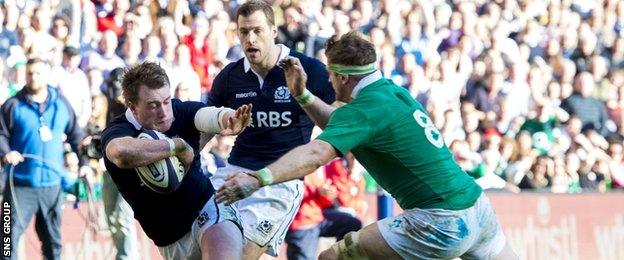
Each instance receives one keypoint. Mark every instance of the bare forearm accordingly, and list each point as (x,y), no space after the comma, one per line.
(319,112)
(297,163)
(302,161)
(128,152)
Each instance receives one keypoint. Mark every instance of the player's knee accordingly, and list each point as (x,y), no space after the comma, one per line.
(349,248)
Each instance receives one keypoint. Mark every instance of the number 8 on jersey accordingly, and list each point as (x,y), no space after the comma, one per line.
(432,133)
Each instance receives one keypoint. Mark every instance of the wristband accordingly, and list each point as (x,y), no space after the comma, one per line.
(187,146)
(306,98)
(264,176)
(172,151)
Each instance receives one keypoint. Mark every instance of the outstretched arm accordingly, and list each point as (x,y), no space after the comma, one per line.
(296,79)
(295,164)
(222,120)
(234,122)
(302,161)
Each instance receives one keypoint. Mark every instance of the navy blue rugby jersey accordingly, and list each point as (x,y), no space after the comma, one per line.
(165,218)
(278,122)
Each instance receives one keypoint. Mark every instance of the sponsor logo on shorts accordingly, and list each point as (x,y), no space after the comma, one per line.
(265,226)
(202,218)
(396,223)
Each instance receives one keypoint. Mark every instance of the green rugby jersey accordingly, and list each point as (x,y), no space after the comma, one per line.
(390,134)
(542,133)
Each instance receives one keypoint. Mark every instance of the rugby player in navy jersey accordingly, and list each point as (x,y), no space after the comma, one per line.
(278,124)
(186,223)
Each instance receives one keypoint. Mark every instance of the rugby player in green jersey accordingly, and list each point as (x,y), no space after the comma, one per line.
(446,215)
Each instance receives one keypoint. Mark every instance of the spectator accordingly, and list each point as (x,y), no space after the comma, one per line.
(539,176)
(99,113)
(131,50)
(4,82)
(104,58)
(169,45)
(541,127)
(222,35)
(589,110)
(488,173)
(61,30)
(616,165)
(37,115)
(116,104)
(488,97)
(152,49)
(74,85)
(211,156)
(183,92)
(182,72)
(560,182)
(590,178)
(202,54)
(40,22)
(110,15)
(8,37)
(17,71)
(616,55)
(95,78)
(346,175)
(293,32)
(314,219)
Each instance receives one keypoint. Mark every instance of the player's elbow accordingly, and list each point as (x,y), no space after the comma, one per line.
(321,153)
(117,154)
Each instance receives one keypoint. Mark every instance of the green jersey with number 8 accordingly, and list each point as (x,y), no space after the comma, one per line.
(392,136)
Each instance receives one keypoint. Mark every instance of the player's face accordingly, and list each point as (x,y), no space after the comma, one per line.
(257,37)
(338,82)
(153,108)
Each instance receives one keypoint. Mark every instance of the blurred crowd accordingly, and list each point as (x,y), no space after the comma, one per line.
(527,94)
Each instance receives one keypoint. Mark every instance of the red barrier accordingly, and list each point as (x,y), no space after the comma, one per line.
(538,226)
(580,226)
(83,239)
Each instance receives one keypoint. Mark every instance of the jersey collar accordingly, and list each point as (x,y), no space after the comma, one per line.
(375,76)
(284,52)
(130,117)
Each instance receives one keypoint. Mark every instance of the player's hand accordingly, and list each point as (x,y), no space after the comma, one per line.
(296,77)
(13,158)
(185,153)
(235,122)
(237,186)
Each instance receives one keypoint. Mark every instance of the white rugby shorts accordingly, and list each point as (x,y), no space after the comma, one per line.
(268,212)
(189,246)
(472,233)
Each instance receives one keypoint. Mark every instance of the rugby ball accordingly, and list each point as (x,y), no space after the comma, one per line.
(162,176)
